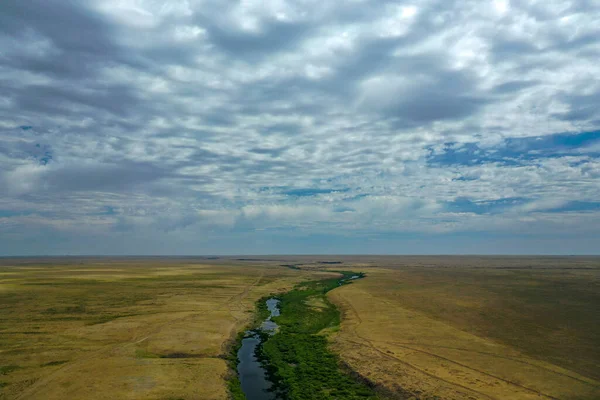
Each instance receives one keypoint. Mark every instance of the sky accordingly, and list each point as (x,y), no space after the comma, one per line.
(269,127)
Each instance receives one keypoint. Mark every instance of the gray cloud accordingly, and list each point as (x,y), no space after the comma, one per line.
(198,123)
(581,107)
(70,26)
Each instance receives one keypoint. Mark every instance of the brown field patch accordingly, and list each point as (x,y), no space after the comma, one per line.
(474,332)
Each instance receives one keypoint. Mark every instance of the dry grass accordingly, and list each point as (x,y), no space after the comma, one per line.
(496,329)
(125,329)
(451,327)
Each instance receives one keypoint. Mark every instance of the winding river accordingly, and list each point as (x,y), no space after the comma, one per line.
(252,375)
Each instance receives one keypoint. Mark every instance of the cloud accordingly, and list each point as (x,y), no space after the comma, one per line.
(262,126)
(434,96)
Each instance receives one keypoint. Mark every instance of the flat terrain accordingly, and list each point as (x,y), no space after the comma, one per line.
(125,328)
(469,328)
(416,327)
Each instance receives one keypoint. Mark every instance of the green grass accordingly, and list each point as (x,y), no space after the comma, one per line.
(297,359)
(235,388)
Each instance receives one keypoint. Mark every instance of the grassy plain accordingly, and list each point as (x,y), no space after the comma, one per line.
(451,327)
(126,328)
(474,328)
(416,327)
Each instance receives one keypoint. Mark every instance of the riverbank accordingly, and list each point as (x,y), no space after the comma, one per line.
(234,383)
(297,359)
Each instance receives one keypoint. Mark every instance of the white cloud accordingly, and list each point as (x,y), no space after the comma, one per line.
(199,117)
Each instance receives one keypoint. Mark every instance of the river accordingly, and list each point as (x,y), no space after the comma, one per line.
(252,374)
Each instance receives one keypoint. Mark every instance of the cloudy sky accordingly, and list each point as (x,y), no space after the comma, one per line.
(308,126)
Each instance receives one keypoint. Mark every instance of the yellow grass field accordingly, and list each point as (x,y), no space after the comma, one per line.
(125,329)
(416,327)
(435,328)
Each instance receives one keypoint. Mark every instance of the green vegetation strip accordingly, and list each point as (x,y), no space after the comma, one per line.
(297,359)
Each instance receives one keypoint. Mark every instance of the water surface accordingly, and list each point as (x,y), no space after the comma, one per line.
(253,379)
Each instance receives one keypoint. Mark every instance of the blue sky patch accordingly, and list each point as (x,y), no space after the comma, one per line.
(11,213)
(516,151)
(343,209)
(306,192)
(577,206)
(302,192)
(465,205)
